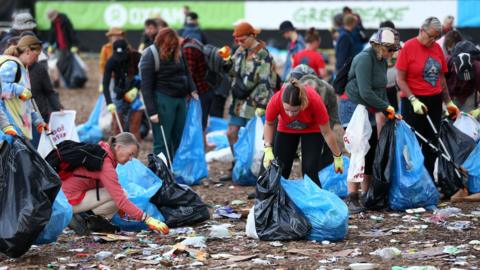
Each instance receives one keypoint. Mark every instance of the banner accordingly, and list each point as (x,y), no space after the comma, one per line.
(62,126)
(91,15)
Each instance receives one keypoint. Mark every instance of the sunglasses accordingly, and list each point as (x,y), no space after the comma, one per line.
(240,39)
(392,49)
(431,37)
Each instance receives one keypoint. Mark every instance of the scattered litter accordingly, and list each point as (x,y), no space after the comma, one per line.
(353,252)
(220,231)
(363,266)
(102,255)
(78,250)
(458,225)
(226,211)
(328,261)
(416,210)
(376,218)
(238,202)
(276,244)
(120,256)
(241,258)
(221,256)
(376,233)
(387,253)
(325,242)
(474,242)
(414,268)
(447,212)
(450,250)
(108,237)
(196,264)
(275,257)
(197,242)
(261,261)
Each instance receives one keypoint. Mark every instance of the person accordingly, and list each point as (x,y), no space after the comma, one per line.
(463,76)
(15,88)
(62,33)
(149,34)
(100,192)
(358,33)
(302,117)
(165,90)
(367,87)
(421,67)
(449,41)
(447,26)
(253,79)
(106,51)
(123,67)
(21,22)
(185,10)
(296,43)
(392,88)
(307,76)
(344,49)
(310,56)
(192,29)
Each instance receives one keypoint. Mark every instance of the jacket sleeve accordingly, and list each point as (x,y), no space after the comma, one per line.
(3,119)
(363,73)
(107,77)
(331,102)
(147,74)
(72,37)
(10,88)
(343,48)
(109,179)
(259,82)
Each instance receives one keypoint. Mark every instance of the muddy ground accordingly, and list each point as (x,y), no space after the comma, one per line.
(423,239)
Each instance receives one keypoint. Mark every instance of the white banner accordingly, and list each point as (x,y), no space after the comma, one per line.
(319,14)
(62,125)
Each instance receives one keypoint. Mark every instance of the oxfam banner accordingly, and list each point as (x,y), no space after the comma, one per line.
(92,15)
(319,14)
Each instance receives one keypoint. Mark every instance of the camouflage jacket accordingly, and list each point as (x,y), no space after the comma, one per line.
(256,70)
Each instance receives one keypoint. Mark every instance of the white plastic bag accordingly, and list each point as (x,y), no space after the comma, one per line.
(250,229)
(62,125)
(257,160)
(356,138)
(222,155)
(468,125)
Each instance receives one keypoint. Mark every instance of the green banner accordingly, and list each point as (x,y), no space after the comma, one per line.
(92,15)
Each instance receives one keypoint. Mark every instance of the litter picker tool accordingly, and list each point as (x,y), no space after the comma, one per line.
(48,133)
(119,124)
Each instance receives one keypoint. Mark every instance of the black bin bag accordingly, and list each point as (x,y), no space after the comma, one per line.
(28,188)
(459,146)
(179,204)
(72,71)
(377,195)
(276,216)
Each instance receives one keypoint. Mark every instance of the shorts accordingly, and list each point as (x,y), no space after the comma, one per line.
(346,107)
(237,121)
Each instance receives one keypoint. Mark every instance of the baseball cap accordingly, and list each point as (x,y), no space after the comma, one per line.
(120,50)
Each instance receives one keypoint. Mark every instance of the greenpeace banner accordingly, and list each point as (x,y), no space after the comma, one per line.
(96,15)
(62,126)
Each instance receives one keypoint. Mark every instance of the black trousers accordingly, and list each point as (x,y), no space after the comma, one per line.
(285,149)
(420,123)
(217,108)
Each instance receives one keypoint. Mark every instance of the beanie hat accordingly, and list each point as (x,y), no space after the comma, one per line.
(245,28)
(286,26)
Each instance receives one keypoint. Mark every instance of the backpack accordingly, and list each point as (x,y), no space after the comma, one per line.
(341,80)
(70,155)
(214,74)
(461,62)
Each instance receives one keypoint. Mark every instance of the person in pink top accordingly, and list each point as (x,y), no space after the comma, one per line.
(100,192)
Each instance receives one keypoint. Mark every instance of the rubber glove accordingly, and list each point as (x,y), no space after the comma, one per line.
(156,225)
(260,112)
(225,52)
(475,113)
(268,157)
(130,95)
(41,127)
(418,106)
(100,88)
(453,110)
(74,49)
(10,130)
(50,50)
(338,164)
(25,95)
(112,108)
(389,112)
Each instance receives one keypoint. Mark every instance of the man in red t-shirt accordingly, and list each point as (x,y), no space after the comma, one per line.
(301,116)
(421,67)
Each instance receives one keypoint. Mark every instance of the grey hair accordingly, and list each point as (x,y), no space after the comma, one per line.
(432,22)
(123,139)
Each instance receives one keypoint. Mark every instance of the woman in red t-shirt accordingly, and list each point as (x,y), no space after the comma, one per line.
(421,67)
(301,116)
(310,56)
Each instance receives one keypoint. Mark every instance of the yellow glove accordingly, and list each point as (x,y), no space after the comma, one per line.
(25,95)
(268,157)
(74,49)
(100,88)
(475,113)
(338,164)
(10,130)
(418,106)
(225,52)
(390,112)
(50,50)
(260,112)
(156,225)
(453,110)
(130,95)
(112,108)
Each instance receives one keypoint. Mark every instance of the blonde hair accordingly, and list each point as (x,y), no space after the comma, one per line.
(295,94)
(379,50)
(123,139)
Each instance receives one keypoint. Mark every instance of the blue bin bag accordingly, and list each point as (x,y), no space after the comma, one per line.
(333,182)
(472,165)
(411,184)
(189,164)
(90,132)
(219,139)
(61,215)
(141,184)
(216,124)
(243,152)
(325,211)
